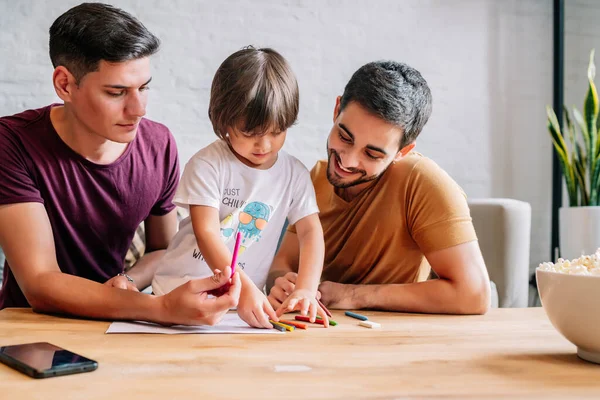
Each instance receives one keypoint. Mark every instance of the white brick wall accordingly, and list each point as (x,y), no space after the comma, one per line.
(489,64)
(582,33)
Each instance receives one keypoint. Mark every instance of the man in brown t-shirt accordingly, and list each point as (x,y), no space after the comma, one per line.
(389,214)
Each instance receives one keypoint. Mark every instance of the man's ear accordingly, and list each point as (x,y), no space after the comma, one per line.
(336,109)
(404,151)
(64,83)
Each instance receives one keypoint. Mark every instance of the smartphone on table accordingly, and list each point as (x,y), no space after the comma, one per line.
(44,360)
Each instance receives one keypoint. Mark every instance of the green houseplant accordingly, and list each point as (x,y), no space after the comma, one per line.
(580,162)
(579,224)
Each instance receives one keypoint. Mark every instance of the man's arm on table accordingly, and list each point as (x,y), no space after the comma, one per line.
(462,288)
(26,238)
(159,230)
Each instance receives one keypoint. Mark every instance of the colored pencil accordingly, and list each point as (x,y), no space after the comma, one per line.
(307,319)
(293,323)
(278,327)
(331,322)
(284,326)
(223,289)
(357,316)
(324,308)
(370,324)
(238,239)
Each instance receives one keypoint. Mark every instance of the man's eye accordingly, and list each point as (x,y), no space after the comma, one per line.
(116,94)
(344,139)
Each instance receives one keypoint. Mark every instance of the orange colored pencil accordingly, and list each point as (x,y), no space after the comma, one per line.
(293,323)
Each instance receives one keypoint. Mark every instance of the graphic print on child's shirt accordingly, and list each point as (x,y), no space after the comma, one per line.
(251,221)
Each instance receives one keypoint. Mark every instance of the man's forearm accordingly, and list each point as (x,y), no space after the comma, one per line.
(286,260)
(437,296)
(143,271)
(57,292)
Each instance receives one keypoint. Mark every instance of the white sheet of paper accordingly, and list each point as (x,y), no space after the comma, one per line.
(231,323)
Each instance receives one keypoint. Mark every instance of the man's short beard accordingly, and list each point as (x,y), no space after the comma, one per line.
(335,181)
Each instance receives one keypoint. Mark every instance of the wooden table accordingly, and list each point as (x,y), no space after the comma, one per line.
(506,353)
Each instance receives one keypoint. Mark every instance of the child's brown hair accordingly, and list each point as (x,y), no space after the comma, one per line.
(253,90)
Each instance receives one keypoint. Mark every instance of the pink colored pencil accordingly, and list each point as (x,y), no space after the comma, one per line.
(223,289)
(238,239)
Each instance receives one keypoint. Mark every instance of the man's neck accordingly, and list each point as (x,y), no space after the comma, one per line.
(89,145)
(350,193)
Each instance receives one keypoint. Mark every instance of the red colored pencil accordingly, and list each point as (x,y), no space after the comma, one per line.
(307,319)
(324,308)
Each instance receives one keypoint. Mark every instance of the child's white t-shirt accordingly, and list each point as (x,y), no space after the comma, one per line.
(256,202)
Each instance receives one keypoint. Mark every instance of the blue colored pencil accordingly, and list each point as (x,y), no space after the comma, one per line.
(357,316)
(278,327)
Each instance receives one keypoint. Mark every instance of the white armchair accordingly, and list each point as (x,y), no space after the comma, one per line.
(503,227)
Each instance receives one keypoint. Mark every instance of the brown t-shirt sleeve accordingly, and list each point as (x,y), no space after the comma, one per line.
(437,212)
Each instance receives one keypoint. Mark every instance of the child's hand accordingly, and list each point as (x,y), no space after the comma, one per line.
(254,308)
(305,301)
(282,288)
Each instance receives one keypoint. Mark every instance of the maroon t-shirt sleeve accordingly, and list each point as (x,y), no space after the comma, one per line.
(165,204)
(16,183)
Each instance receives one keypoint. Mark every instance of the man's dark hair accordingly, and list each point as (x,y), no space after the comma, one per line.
(394,92)
(91,32)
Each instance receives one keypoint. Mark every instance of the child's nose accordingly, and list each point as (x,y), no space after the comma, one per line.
(263,143)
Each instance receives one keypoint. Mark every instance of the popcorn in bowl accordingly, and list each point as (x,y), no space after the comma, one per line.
(570,294)
(584,265)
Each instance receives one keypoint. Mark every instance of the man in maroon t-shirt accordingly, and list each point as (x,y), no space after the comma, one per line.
(79,177)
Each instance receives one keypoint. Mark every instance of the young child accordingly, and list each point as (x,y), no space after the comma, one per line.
(244,182)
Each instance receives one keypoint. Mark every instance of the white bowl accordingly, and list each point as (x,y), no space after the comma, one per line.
(572,303)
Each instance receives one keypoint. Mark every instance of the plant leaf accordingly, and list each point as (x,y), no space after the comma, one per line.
(590,113)
(563,158)
(583,128)
(557,137)
(581,160)
(579,164)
